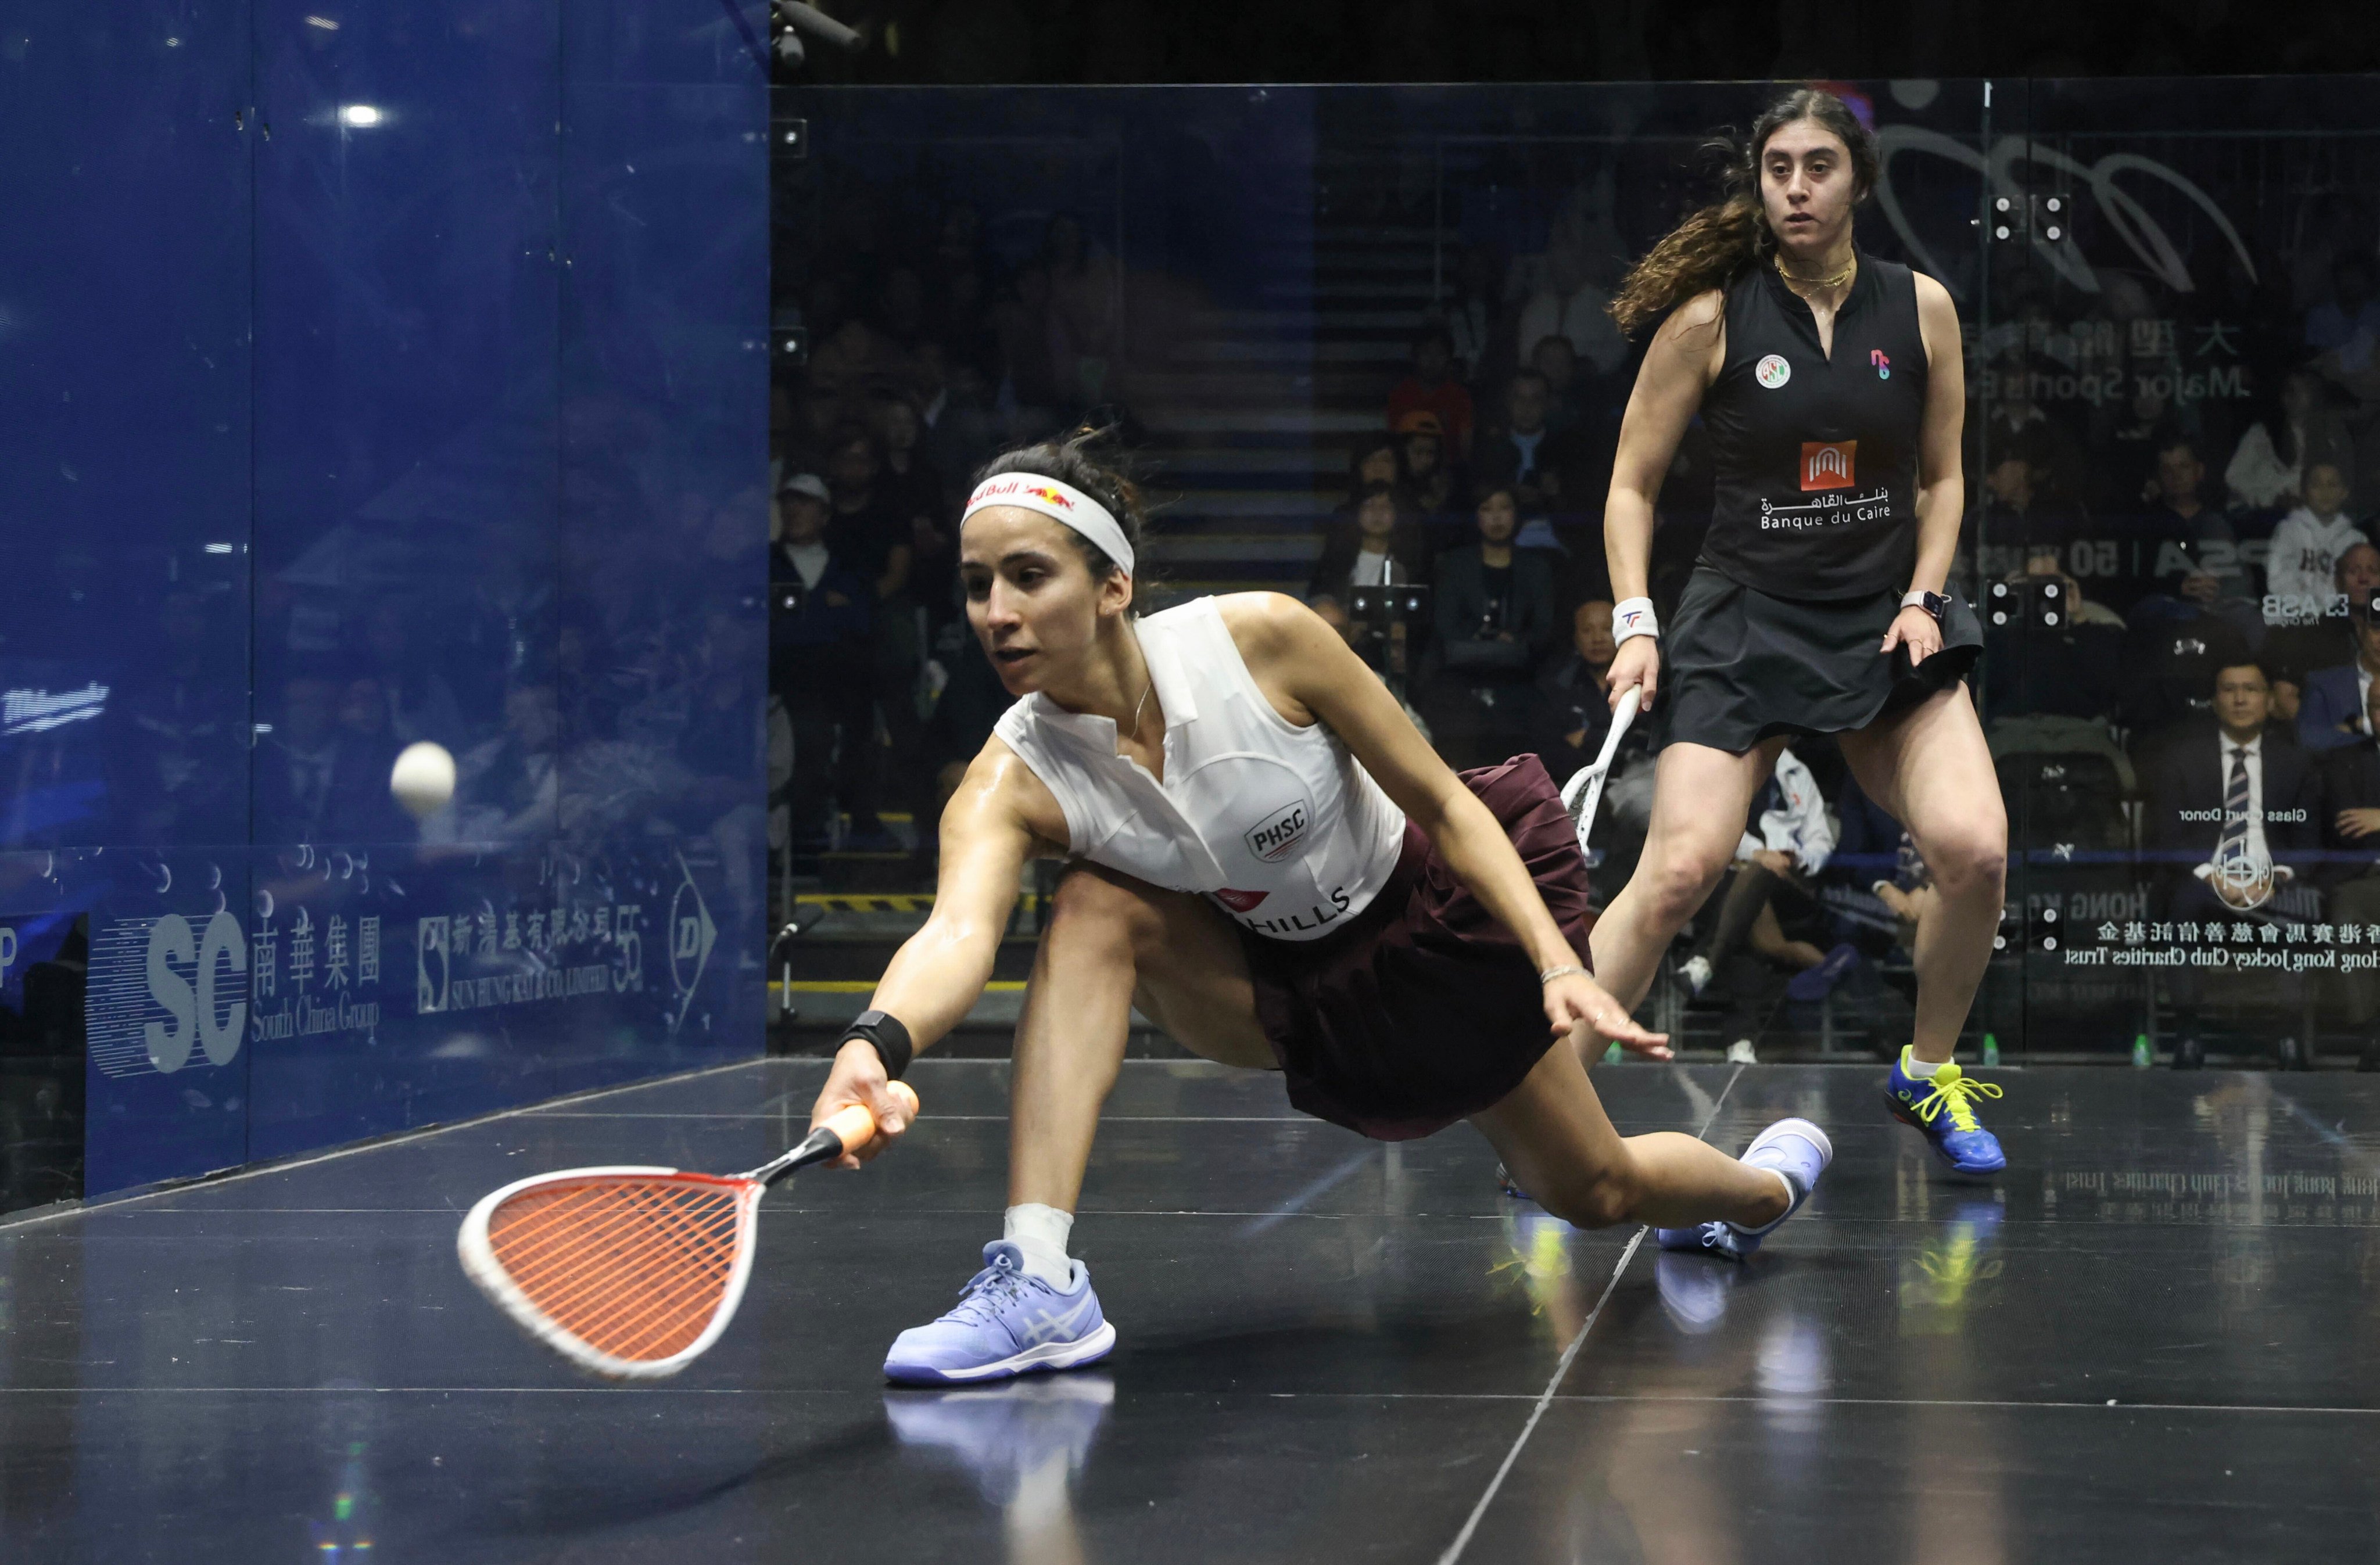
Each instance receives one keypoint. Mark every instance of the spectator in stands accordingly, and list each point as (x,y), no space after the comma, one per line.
(1572,305)
(508,790)
(911,483)
(1383,542)
(2058,668)
(2351,837)
(1786,842)
(873,538)
(1376,459)
(1523,454)
(421,705)
(1431,388)
(868,529)
(2231,816)
(368,812)
(2124,458)
(1494,616)
(2345,328)
(2331,714)
(1557,361)
(951,400)
(1574,694)
(2303,563)
(2231,805)
(901,308)
(1029,387)
(1082,313)
(820,665)
(2017,515)
(2187,560)
(2014,422)
(2322,635)
(2267,470)
(308,782)
(1472,313)
(1430,476)
(914,489)
(854,362)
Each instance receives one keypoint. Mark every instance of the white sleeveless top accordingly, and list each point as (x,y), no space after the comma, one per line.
(1279,825)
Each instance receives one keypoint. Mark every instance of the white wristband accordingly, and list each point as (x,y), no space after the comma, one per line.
(1633,617)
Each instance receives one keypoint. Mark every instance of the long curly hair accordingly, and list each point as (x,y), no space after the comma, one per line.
(1716,244)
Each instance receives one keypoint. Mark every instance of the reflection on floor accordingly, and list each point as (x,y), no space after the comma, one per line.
(2151,1340)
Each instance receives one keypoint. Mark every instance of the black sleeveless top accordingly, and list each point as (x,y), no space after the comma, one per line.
(1816,459)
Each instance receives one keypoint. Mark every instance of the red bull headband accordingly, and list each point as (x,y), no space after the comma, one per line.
(1059,503)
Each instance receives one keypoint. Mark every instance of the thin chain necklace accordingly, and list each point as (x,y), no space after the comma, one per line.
(1805,286)
(1136,706)
(1135,733)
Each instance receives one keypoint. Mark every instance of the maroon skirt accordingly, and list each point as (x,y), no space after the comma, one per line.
(1424,1009)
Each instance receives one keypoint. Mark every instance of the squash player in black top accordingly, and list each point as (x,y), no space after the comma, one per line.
(1831,385)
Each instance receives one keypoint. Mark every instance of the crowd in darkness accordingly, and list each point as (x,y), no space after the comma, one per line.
(926,355)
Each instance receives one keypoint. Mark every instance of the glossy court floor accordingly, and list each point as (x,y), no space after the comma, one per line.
(2154,1340)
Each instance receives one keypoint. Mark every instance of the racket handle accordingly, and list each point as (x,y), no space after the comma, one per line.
(853,1125)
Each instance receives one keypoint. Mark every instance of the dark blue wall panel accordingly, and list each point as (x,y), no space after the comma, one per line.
(376,374)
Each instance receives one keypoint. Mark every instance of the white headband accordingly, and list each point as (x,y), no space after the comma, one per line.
(1061,502)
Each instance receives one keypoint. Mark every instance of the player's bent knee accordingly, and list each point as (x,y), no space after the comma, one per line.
(1684,879)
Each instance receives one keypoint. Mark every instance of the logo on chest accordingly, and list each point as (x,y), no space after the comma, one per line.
(1772,371)
(1828,463)
(1280,833)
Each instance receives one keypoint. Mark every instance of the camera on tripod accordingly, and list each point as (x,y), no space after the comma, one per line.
(1390,620)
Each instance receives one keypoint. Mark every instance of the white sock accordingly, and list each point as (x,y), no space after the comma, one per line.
(1040,1232)
(1920,1069)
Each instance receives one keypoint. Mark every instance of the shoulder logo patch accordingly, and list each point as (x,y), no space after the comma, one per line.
(1772,371)
(1279,833)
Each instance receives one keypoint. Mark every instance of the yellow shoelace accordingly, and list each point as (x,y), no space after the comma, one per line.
(1952,1091)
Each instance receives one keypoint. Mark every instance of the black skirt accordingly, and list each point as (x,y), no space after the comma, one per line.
(1424,1010)
(1740,665)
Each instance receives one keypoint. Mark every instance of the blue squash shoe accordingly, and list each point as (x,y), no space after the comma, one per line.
(1942,1108)
(1006,1323)
(1796,1148)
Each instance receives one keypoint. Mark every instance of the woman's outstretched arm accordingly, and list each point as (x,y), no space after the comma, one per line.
(988,830)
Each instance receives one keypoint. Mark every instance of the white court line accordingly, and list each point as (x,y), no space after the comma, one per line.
(1561,1368)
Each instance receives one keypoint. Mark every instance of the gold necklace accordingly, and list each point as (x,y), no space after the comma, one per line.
(1807,285)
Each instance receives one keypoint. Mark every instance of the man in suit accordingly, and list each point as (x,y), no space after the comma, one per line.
(2331,712)
(2231,818)
(2351,840)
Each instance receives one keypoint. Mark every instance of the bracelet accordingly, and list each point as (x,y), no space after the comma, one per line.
(1633,617)
(884,1034)
(1566,970)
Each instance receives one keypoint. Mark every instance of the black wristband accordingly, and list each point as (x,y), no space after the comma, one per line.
(885,1034)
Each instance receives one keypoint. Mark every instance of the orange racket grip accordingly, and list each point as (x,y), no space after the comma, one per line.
(855,1126)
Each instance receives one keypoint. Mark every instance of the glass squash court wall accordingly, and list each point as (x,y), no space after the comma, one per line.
(2168,294)
(373,375)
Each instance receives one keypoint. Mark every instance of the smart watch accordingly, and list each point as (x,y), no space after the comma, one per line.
(1933,604)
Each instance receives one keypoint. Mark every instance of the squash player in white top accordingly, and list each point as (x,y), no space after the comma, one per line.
(1270,862)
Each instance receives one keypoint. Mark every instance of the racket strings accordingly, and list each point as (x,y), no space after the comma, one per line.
(635,1269)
